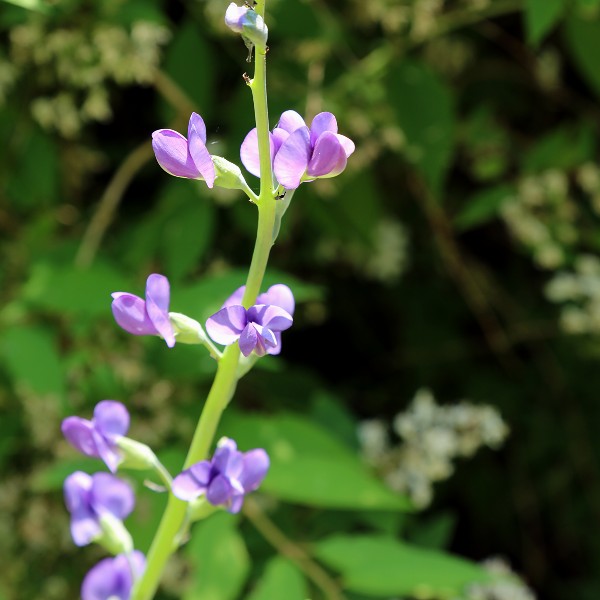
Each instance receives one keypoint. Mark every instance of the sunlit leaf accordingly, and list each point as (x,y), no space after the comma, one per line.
(382,566)
(281,579)
(541,16)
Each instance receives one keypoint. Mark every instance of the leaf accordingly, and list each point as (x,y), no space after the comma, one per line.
(541,16)
(309,465)
(64,289)
(379,565)
(483,207)
(33,361)
(189,46)
(281,579)
(220,559)
(583,43)
(35,5)
(424,109)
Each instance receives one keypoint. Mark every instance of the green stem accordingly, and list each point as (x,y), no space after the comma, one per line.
(225,380)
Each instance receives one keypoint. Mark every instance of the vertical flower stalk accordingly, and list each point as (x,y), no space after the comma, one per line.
(225,380)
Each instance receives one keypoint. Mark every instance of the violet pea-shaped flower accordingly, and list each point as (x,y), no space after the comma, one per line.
(146,317)
(99,436)
(183,157)
(256,328)
(278,295)
(111,578)
(91,497)
(308,154)
(225,479)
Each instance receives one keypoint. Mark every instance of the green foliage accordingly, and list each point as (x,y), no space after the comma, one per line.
(220,560)
(281,579)
(381,566)
(541,16)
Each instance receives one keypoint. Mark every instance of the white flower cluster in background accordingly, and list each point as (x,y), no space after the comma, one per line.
(74,66)
(507,586)
(579,291)
(432,437)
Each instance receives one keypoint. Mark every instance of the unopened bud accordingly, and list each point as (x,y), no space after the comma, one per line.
(249,23)
(187,330)
(136,455)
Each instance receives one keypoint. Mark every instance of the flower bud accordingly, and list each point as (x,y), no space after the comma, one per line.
(228,175)
(249,23)
(115,538)
(187,330)
(136,455)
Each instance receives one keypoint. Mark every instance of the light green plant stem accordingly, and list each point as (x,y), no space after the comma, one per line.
(225,380)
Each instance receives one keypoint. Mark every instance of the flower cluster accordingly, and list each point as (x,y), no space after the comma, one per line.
(433,436)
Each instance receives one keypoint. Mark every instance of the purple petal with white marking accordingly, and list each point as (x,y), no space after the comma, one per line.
(279,295)
(276,349)
(256,465)
(171,151)
(323,122)
(111,418)
(328,156)
(225,326)
(130,314)
(290,120)
(235,298)
(271,316)
(235,16)
(157,306)
(292,159)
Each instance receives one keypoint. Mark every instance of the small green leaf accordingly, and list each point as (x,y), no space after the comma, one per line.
(483,207)
(424,110)
(281,580)
(220,560)
(583,43)
(35,5)
(541,16)
(379,565)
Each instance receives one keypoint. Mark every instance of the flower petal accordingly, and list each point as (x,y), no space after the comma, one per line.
(248,339)
(271,316)
(347,144)
(249,152)
(323,122)
(79,433)
(290,120)
(234,17)
(278,137)
(225,326)
(157,306)
(219,490)
(186,487)
(109,453)
(256,465)
(171,151)
(197,123)
(279,295)
(328,157)
(111,494)
(292,159)
(111,419)
(130,314)
(101,582)
(201,156)
(275,350)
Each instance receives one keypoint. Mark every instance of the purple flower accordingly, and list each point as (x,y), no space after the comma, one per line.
(89,497)
(111,578)
(299,153)
(248,22)
(183,157)
(98,438)
(257,328)
(226,478)
(149,317)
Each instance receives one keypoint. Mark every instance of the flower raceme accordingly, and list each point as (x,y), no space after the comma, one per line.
(89,498)
(149,316)
(183,157)
(98,437)
(300,153)
(257,328)
(112,578)
(225,479)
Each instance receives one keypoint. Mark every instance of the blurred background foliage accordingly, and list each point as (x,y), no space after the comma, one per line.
(457,257)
